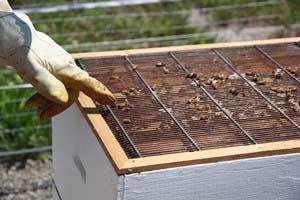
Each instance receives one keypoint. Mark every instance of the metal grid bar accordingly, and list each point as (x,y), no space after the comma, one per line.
(25,151)
(242,6)
(124,131)
(277,63)
(230,65)
(213,99)
(17,115)
(88,5)
(16,130)
(134,68)
(117,43)
(115,118)
(12,87)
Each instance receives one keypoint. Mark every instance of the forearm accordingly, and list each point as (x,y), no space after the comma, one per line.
(4,6)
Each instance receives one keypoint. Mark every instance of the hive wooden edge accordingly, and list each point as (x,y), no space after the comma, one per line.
(124,165)
(102,131)
(185,48)
(210,156)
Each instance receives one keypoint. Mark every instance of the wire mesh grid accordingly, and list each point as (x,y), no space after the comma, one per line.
(251,111)
(135,100)
(276,84)
(209,124)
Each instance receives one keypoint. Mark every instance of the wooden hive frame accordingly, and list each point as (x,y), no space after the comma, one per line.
(125,165)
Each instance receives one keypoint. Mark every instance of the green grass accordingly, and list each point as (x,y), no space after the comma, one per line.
(25,133)
(17,3)
(20,128)
(294,6)
(8,77)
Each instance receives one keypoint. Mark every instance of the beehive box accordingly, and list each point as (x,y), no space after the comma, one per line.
(216,121)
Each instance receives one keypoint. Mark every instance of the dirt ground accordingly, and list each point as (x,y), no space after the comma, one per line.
(31,179)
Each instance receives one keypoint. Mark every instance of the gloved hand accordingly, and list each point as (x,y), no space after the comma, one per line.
(47,66)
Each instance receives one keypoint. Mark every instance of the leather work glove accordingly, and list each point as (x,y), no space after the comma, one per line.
(47,66)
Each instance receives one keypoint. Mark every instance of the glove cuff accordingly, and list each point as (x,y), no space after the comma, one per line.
(4,13)
(15,33)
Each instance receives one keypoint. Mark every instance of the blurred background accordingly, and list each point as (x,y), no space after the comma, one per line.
(85,26)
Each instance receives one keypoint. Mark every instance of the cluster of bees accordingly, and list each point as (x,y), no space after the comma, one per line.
(295,105)
(195,104)
(281,91)
(256,78)
(215,81)
(286,91)
(294,70)
(130,92)
(163,67)
(126,106)
(114,77)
